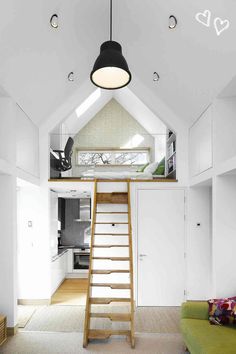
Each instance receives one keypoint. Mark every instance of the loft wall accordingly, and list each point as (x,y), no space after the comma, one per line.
(19,140)
(27,144)
(112,127)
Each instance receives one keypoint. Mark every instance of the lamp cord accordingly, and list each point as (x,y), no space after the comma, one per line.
(110,20)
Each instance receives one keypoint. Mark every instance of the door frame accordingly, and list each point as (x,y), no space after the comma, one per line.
(135,233)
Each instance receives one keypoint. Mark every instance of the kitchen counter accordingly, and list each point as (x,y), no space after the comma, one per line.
(86,247)
(63,249)
(60,253)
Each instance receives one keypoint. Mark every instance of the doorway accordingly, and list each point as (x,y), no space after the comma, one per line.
(161,247)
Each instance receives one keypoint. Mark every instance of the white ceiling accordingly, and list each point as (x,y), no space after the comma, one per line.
(230,89)
(194,63)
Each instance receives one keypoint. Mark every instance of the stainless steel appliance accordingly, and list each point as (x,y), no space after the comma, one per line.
(81,258)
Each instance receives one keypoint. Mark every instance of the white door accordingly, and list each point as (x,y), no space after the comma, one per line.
(161,264)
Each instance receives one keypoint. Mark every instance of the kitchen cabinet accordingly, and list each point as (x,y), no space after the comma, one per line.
(70,261)
(200,144)
(58,271)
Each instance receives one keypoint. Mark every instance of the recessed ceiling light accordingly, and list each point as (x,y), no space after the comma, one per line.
(172,22)
(71,76)
(54,21)
(156,76)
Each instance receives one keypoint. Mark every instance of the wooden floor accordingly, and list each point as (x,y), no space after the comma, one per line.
(71,292)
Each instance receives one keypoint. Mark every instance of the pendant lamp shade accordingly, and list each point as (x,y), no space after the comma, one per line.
(110,70)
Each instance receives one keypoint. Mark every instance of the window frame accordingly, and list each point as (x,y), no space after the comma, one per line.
(112,150)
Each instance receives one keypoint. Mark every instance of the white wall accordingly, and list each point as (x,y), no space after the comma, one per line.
(33,255)
(224,240)
(7,130)
(27,144)
(8,298)
(224,129)
(200,144)
(53,222)
(8,278)
(199,243)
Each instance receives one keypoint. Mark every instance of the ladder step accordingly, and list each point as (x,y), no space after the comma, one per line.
(109,246)
(112,198)
(112,258)
(112,286)
(111,223)
(112,212)
(107,300)
(109,234)
(116,317)
(109,271)
(105,334)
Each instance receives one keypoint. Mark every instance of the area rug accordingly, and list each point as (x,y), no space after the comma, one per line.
(71,343)
(24,314)
(71,319)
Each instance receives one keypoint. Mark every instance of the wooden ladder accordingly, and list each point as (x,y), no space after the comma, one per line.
(89,333)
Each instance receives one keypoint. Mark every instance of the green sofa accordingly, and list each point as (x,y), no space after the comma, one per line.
(200,336)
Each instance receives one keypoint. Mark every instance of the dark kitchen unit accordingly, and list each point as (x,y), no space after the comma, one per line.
(81,258)
(74,222)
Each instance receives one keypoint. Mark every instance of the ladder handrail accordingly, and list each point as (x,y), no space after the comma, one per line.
(88,306)
(131,269)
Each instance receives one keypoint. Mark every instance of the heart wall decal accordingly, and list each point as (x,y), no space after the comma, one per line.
(204,18)
(220,25)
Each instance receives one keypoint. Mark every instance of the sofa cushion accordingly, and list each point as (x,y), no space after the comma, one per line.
(151,168)
(142,168)
(195,309)
(222,311)
(202,338)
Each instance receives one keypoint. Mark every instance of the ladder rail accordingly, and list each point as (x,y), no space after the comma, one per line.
(88,332)
(88,304)
(132,337)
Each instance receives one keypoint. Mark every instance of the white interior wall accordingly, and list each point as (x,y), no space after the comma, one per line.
(199,243)
(33,277)
(27,144)
(8,256)
(7,131)
(200,146)
(216,139)
(224,240)
(8,279)
(53,222)
(224,129)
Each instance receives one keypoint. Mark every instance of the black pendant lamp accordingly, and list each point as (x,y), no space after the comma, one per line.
(110,70)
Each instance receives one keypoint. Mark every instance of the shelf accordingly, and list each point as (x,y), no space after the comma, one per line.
(171,172)
(79,220)
(168,158)
(171,139)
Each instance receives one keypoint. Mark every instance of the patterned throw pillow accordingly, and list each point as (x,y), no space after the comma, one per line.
(222,311)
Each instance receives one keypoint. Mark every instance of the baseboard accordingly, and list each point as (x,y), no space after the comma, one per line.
(34,302)
(11,331)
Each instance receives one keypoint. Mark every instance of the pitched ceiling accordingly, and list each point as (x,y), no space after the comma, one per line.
(194,63)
